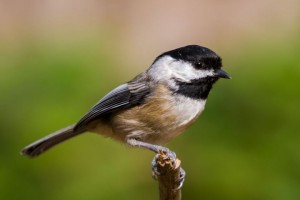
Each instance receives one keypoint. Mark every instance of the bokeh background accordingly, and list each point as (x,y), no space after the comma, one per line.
(58,57)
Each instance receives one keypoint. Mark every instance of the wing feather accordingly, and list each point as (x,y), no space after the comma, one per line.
(124,96)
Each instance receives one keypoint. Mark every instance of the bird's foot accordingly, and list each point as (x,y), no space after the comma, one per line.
(166,157)
(181,178)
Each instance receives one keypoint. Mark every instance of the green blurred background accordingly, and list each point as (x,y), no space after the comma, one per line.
(57,58)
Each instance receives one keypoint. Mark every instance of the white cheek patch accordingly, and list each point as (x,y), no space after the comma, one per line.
(160,71)
(167,69)
(186,72)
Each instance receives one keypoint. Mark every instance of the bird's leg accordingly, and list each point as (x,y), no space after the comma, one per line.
(158,150)
(152,147)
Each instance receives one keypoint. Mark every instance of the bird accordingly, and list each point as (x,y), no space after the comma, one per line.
(154,107)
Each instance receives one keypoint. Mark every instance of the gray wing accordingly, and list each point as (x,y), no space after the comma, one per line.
(124,96)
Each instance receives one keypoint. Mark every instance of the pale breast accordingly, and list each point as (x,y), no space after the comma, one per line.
(187,109)
(162,117)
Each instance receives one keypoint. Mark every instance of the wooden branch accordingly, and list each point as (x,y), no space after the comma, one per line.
(169,177)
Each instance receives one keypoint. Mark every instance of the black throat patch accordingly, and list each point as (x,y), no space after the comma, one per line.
(196,89)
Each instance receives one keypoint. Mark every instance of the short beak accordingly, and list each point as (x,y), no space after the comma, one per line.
(221,74)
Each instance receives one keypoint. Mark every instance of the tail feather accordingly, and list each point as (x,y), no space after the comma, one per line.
(49,141)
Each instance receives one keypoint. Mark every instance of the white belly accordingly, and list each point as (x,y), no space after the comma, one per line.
(158,121)
(186,110)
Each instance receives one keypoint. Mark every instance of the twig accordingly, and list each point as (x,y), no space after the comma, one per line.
(169,177)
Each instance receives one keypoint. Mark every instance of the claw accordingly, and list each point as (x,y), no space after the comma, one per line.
(163,155)
(181,180)
(166,154)
(155,172)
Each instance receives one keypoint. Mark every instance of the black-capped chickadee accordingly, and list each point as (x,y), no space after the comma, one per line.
(154,107)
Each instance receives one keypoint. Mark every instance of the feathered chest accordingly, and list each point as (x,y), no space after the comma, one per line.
(170,114)
(171,110)
(160,118)
(186,109)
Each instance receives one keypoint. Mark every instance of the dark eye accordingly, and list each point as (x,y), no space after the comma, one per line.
(199,65)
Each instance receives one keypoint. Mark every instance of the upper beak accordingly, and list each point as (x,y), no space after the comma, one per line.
(221,74)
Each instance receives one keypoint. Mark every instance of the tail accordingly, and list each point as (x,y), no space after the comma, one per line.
(49,141)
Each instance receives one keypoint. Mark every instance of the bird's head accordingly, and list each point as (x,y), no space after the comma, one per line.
(191,70)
